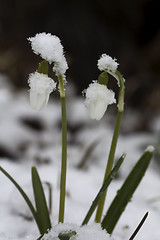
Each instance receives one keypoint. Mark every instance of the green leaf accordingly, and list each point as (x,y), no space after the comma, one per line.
(125,193)
(103,78)
(103,189)
(139,226)
(43,67)
(40,201)
(24,195)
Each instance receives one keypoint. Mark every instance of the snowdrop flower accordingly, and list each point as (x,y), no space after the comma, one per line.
(50,48)
(106,63)
(40,88)
(98,97)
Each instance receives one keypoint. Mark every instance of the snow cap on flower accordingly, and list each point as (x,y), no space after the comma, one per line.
(106,63)
(50,48)
(98,97)
(40,88)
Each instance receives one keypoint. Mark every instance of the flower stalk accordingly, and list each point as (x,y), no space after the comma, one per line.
(64,151)
(110,161)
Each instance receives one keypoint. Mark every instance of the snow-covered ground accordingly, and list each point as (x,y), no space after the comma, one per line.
(30,138)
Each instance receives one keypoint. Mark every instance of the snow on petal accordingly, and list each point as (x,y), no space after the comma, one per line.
(40,88)
(107,63)
(98,97)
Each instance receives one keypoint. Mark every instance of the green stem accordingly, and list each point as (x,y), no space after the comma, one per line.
(109,166)
(64,151)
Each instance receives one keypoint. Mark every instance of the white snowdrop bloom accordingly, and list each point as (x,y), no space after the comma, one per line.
(107,63)
(40,88)
(50,48)
(98,97)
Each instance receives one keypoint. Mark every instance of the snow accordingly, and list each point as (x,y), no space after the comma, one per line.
(107,63)
(42,148)
(50,48)
(93,231)
(150,149)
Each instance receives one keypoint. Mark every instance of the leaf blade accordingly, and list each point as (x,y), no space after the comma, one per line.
(40,202)
(103,189)
(24,195)
(125,193)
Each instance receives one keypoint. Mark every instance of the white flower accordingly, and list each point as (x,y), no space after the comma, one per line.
(50,48)
(107,63)
(40,88)
(98,97)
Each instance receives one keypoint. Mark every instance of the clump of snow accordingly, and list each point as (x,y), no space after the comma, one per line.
(86,232)
(98,97)
(47,46)
(107,63)
(60,67)
(150,148)
(50,48)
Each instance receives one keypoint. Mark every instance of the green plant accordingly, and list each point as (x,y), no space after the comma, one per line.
(98,97)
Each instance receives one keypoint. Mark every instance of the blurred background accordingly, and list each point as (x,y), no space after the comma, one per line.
(127,30)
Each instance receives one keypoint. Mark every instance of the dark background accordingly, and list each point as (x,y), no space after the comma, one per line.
(128,30)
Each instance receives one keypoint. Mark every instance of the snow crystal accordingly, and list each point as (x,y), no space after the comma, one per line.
(107,63)
(50,48)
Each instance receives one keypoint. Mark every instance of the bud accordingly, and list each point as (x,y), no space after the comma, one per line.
(98,97)
(40,88)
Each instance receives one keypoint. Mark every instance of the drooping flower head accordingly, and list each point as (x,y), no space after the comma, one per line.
(107,63)
(40,88)
(98,97)
(50,48)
